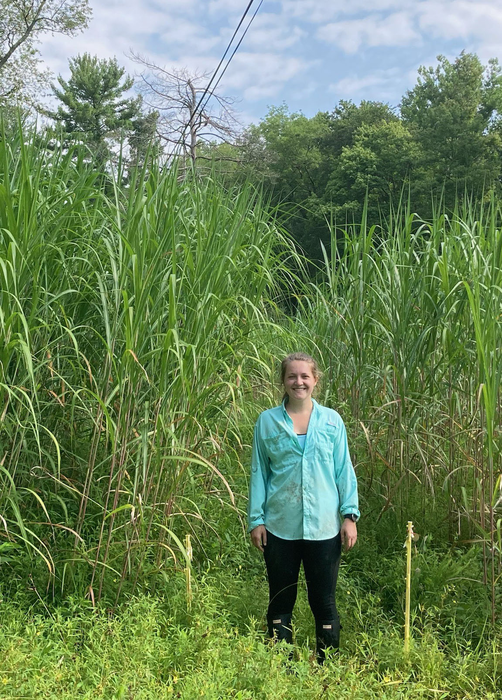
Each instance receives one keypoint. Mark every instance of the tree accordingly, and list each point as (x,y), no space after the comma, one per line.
(347,118)
(21,24)
(143,139)
(94,109)
(188,111)
(321,168)
(454,114)
(341,192)
(284,152)
(382,160)
(285,147)
(447,139)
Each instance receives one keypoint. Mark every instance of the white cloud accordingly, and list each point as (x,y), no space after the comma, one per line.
(370,21)
(354,84)
(269,31)
(375,30)
(275,56)
(251,76)
(461,19)
(262,75)
(234,6)
(190,37)
(319,11)
(489,51)
(115,28)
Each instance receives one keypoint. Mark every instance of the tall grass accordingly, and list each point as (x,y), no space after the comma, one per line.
(409,322)
(125,345)
(139,326)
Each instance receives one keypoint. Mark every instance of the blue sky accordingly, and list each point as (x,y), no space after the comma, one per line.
(308,54)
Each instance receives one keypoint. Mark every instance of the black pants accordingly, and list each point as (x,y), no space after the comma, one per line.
(321,560)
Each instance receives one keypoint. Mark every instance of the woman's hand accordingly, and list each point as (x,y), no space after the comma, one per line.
(349,534)
(259,537)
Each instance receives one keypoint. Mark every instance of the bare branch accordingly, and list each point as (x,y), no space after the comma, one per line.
(188,111)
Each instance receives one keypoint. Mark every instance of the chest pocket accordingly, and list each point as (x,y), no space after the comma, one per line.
(280,450)
(325,440)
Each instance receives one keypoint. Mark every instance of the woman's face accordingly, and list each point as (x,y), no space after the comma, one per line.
(299,382)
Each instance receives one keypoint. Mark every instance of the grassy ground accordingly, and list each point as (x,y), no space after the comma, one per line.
(152,647)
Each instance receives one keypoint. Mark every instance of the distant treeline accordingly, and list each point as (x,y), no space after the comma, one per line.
(442,144)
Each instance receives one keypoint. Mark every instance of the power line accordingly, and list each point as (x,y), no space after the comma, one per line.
(236,49)
(206,90)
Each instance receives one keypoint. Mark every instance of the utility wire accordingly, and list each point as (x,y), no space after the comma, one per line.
(234,52)
(206,90)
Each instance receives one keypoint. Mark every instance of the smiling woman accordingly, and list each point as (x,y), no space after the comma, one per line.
(302,486)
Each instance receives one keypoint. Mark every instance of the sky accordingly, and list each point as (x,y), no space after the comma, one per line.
(308,54)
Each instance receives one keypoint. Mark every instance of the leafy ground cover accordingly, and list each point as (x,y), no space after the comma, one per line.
(152,646)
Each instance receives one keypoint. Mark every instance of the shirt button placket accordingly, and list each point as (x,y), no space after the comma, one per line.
(305,498)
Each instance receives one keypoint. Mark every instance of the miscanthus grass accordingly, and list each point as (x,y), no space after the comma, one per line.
(140,325)
(408,321)
(125,345)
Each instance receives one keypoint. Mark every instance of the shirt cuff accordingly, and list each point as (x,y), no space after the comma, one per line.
(254,523)
(351,511)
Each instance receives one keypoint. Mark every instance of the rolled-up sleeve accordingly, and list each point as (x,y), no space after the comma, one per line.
(258,482)
(345,476)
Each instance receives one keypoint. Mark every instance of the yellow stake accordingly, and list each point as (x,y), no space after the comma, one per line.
(188,570)
(409,538)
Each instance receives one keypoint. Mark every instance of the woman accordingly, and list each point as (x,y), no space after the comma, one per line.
(303,502)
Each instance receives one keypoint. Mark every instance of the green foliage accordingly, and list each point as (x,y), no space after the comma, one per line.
(443,147)
(21,24)
(347,118)
(284,152)
(381,161)
(128,329)
(452,112)
(139,338)
(143,140)
(318,169)
(94,107)
(152,647)
(406,326)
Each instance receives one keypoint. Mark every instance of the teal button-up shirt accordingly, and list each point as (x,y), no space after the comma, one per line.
(301,494)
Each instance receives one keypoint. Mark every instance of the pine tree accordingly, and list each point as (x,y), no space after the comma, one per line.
(95,110)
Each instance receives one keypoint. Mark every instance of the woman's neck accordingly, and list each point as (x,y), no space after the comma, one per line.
(297,407)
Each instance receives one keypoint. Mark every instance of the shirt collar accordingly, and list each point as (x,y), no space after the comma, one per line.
(315,408)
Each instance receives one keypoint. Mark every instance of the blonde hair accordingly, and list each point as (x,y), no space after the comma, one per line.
(299,357)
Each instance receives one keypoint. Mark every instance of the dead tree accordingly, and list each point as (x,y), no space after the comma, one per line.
(188,111)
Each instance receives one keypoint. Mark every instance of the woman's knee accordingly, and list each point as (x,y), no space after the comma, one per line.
(323,607)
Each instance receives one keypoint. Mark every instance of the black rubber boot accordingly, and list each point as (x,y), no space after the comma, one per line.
(279,628)
(327,636)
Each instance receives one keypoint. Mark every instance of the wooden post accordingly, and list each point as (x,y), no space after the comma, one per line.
(409,539)
(188,570)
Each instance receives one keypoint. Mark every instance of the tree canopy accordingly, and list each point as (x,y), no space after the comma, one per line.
(21,24)
(443,142)
(453,113)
